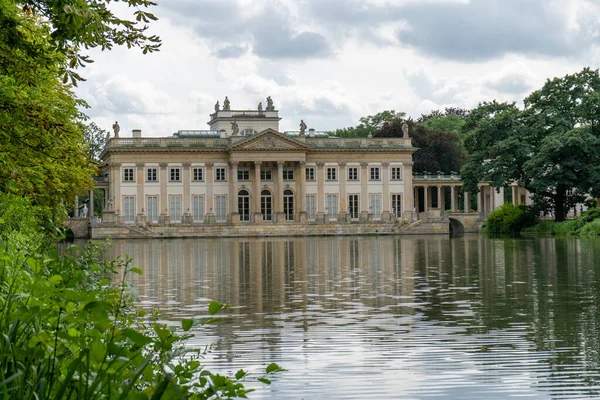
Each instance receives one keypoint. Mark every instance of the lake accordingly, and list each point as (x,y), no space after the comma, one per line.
(387,317)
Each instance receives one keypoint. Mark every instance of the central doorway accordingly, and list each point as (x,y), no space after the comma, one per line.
(288,204)
(266,205)
(244,205)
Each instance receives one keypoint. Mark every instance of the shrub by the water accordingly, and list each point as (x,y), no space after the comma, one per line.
(509,219)
(68,332)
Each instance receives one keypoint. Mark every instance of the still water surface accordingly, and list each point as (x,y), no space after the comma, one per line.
(384,317)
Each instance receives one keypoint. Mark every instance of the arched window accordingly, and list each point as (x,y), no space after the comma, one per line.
(244,205)
(288,204)
(266,205)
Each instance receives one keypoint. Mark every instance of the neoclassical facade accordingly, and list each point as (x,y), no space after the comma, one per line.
(243,170)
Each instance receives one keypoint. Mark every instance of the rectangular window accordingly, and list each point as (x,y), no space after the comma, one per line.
(332,206)
(352,173)
(310,206)
(198,208)
(397,205)
(221,207)
(128,174)
(152,207)
(220,174)
(129,208)
(175,208)
(266,175)
(375,174)
(332,174)
(151,175)
(175,174)
(396,173)
(353,207)
(243,175)
(310,174)
(375,205)
(288,174)
(197,174)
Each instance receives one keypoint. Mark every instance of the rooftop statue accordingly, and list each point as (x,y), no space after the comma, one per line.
(217,107)
(302,127)
(226,104)
(405,130)
(234,128)
(260,109)
(270,106)
(116,128)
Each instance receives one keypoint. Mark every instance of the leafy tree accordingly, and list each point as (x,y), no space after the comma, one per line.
(438,151)
(369,124)
(95,138)
(43,152)
(446,123)
(552,147)
(461,113)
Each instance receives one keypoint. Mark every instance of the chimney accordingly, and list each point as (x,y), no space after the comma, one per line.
(311,132)
(136,133)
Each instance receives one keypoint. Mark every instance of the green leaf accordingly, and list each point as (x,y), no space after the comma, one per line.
(187,324)
(265,381)
(136,337)
(240,374)
(136,271)
(273,367)
(214,307)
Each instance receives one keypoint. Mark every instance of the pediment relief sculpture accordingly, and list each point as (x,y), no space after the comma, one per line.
(269,142)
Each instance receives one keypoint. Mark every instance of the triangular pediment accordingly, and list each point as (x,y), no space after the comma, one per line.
(269,140)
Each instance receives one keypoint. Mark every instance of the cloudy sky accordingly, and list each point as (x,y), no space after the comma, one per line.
(330,62)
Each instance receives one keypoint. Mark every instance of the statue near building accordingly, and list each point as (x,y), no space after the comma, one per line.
(234,128)
(405,130)
(226,104)
(109,204)
(302,127)
(116,128)
(260,109)
(270,106)
(217,107)
(84,211)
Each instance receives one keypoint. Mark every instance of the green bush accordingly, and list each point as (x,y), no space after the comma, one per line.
(68,331)
(509,219)
(564,227)
(587,216)
(590,229)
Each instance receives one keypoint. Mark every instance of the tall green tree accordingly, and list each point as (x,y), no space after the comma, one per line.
(551,147)
(43,154)
(369,124)
(438,151)
(95,139)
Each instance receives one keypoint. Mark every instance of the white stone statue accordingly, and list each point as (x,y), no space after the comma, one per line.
(226,104)
(302,127)
(116,128)
(217,107)
(234,128)
(260,109)
(109,204)
(84,211)
(270,106)
(405,130)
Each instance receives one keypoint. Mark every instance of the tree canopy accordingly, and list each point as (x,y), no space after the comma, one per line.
(369,124)
(551,147)
(43,154)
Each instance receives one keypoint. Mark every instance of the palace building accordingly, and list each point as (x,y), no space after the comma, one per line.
(245,171)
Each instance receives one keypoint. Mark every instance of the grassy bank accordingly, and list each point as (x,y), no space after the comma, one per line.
(69,332)
(587,225)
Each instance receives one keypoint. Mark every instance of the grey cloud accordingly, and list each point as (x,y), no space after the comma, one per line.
(471,31)
(270,33)
(321,106)
(231,51)
(513,84)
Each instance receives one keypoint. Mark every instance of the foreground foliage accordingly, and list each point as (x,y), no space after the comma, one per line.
(67,331)
(587,225)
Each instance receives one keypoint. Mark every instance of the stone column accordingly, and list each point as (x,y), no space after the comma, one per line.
(234,216)
(280,216)
(301,178)
(364,192)
(480,200)
(210,201)
(341,217)
(91,207)
(258,217)
(320,217)
(453,198)
(466,202)
(116,188)
(425,199)
(163,204)
(515,194)
(409,192)
(140,218)
(415,200)
(76,210)
(440,198)
(386,214)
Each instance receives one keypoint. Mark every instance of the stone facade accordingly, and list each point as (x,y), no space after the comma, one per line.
(258,177)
